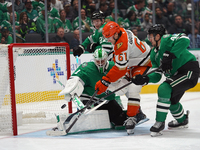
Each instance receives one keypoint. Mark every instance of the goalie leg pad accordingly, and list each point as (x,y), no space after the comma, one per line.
(97,120)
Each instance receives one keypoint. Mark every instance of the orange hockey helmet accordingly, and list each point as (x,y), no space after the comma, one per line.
(110,29)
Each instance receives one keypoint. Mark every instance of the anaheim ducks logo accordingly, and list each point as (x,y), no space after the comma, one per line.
(119,45)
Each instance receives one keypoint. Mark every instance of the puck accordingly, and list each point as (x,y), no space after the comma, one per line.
(63,106)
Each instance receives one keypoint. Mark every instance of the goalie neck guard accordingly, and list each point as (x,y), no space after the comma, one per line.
(100,59)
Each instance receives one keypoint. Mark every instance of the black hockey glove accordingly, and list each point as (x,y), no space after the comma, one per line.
(91,47)
(140,80)
(77,51)
(167,61)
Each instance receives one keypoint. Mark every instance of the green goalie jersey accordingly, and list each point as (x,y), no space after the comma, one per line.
(176,44)
(89,74)
(97,37)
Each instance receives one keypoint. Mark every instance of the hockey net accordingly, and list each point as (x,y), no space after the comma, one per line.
(28,86)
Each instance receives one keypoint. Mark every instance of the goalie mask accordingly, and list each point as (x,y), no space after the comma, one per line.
(100,59)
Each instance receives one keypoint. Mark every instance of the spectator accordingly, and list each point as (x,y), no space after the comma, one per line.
(135,31)
(6,15)
(18,6)
(68,11)
(2,17)
(63,22)
(139,9)
(26,25)
(197,39)
(3,5)
(124,4)
(179,26)
(112,18)
(110,7)
(160,19)
(53,12)
(40,24)
(5,37)
(38,5)
(150,4)
(32,13)
(89,6)
(60,36)
(188,13)
(74,10)
(104,8)
(57,5)
(86,24)
(132,21)
(170,14)
(161,5)
(147,23)
(9,24)
(75,41)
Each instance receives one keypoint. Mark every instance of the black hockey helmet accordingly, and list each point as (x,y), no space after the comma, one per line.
(157,29)
(97,15)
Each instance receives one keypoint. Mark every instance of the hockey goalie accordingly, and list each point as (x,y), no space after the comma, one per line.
(81,87)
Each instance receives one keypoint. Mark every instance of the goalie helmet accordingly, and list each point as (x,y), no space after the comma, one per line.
(110,29)
(97,15)
(157,29)
(100,59)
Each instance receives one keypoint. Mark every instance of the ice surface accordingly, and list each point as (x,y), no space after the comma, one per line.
(33,138)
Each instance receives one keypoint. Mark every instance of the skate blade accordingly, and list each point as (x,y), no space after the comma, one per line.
(142,121)
(180,127)
(130,131)
(55,133)
(154,134)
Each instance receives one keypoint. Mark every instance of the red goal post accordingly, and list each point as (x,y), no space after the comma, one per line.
(42,53)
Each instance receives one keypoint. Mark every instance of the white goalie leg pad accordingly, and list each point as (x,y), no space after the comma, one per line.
(96,120)
(73,86)
(119,83)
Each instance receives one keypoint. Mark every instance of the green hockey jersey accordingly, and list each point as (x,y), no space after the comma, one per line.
(65,24)
(89,74)
(176,44)
(86,25)
(97,37)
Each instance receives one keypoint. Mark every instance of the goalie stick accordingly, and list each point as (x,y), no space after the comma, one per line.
(80,110)
(88,104)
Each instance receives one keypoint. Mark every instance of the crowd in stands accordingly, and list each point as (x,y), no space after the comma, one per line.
(63,15)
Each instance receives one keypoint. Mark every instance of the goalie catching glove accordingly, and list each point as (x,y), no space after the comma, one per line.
(77,51)
(140,80)
(102,85)
(91,47)
(73,87)
(167,61)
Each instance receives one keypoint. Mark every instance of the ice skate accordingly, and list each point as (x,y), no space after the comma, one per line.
(156,129)
(175,124)
(130,125)
(141,117)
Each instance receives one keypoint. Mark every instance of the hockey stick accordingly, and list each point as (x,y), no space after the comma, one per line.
(129,83)
(83,110)
(119,89)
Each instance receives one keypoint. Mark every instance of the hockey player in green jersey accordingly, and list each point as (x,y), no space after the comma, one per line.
(96,40)
(181,69)
(87,74)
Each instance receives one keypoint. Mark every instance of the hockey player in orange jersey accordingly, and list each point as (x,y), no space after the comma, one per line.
(131,57)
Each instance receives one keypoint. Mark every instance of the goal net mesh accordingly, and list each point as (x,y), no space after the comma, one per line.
(36,68)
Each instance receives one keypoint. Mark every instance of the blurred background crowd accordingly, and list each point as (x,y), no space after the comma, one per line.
(63,18)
